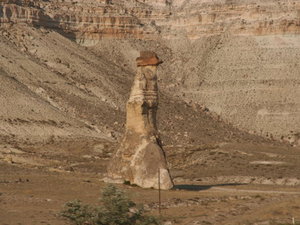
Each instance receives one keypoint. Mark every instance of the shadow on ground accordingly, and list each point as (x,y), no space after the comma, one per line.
(192,187)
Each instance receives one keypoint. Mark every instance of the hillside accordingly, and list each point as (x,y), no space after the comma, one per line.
(53,88)
(238,59)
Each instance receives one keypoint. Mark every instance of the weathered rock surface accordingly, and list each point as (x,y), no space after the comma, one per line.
(140,158)
(238,59)
(90,21)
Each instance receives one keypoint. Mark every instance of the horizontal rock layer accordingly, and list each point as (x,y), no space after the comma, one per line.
(89,21)
(239,58)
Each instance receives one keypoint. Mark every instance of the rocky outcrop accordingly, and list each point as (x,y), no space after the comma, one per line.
(195,19)
(19,13)
(86,22)
(140,158)
(89,21)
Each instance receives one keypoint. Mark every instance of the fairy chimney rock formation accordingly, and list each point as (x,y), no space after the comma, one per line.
(140,158)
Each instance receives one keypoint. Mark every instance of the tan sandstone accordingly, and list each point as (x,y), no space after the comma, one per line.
(140,158)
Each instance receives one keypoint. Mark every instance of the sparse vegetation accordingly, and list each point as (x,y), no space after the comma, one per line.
(115,209)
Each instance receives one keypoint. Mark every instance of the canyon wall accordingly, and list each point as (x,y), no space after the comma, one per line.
(238,58)
(93,20)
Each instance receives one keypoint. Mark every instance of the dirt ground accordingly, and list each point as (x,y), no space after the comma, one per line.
(228,183)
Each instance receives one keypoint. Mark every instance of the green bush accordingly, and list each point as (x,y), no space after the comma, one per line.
(116,209)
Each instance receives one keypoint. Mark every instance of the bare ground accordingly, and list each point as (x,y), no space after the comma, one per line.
(228,183)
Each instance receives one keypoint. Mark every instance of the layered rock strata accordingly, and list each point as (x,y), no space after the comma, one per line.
(239,58)
(140,158)
(86,22)
(89,21)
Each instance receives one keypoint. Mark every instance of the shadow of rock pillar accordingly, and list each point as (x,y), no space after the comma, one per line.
(140,155)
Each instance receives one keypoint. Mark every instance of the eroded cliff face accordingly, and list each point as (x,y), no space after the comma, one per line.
(87,22)
(238,58)
(243,17)
(90,21)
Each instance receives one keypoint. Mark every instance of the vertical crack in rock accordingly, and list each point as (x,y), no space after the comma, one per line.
(140,155)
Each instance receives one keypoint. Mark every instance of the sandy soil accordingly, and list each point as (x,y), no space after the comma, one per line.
(226,184)
(36,197)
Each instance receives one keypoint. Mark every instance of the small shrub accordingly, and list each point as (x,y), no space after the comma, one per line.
(116,209)
(79,213)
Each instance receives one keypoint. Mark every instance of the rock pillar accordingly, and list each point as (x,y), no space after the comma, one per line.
(140,157)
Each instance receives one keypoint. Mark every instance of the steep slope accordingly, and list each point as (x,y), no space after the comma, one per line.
(53,82)
(53,89)
(249,81)
(237,59)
